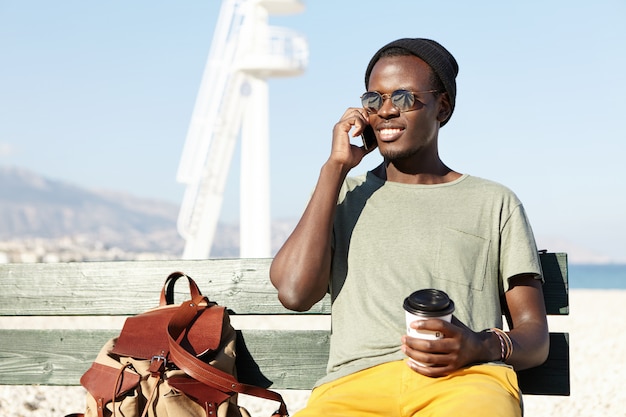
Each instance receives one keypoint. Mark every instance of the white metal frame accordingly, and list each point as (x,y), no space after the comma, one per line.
(233,100)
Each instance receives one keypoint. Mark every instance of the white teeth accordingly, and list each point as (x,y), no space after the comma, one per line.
(389,132)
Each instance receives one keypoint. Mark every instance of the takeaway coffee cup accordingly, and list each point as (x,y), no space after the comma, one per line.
(426,304)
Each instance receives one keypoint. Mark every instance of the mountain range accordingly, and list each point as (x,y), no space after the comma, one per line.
(32,206)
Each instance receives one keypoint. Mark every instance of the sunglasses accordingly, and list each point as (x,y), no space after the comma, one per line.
(403,100)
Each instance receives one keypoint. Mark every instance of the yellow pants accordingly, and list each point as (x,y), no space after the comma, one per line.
(394,389)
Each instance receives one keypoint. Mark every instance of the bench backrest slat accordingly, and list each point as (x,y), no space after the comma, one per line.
(128,288)
(284,359)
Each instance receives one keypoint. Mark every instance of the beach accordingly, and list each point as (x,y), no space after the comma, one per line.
(597,343)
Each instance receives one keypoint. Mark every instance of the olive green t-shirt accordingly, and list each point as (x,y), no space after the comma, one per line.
(465,237)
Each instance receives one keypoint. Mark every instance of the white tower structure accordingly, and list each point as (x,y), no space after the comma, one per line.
(233,99)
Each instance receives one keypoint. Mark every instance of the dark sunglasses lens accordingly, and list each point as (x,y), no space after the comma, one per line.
(371,100)
(402,99)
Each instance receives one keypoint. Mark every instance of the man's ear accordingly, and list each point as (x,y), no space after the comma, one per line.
(445,109)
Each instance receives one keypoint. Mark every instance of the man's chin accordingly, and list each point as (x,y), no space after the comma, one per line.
(397,154)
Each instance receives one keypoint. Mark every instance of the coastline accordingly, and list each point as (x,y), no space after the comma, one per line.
(596,357)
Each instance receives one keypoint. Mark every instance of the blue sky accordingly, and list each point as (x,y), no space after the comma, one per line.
(100,94)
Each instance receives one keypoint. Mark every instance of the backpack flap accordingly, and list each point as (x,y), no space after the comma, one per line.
(103,382)
(145,336)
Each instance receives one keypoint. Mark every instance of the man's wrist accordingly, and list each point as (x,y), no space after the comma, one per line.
(504,346)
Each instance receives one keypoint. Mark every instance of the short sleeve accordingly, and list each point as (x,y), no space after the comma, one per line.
(518,249)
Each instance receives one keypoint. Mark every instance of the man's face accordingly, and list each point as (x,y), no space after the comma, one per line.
(411,134)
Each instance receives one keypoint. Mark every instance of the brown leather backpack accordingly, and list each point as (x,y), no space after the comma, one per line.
(171,361)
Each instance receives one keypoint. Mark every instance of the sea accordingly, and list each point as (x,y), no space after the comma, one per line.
(597,276)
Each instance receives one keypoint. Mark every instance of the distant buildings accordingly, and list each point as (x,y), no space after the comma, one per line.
(69,249)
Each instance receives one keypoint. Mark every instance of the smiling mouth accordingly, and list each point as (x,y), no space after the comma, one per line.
(387,134)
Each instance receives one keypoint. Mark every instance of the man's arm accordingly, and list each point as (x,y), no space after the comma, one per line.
(529,325)
(301,268)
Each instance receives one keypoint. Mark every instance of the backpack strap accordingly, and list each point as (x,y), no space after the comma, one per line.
(202,371)
(167,293)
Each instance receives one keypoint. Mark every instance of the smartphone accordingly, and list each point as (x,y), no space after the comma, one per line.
(369,138)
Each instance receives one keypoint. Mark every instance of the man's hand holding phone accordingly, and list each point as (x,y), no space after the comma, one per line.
(354,123)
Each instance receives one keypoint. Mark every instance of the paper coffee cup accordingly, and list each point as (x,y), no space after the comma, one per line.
(426,304)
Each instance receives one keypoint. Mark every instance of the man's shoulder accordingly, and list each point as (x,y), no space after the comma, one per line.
(356,180)
(353,182)
(485,189)
(486,184)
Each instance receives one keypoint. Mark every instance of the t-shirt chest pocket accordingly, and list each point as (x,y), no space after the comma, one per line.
(462,258)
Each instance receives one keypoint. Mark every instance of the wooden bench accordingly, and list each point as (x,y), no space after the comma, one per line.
(283,359)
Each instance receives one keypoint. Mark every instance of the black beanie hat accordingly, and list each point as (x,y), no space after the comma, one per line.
(439,58)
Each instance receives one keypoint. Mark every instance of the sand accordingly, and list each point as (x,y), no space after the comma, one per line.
(598,352)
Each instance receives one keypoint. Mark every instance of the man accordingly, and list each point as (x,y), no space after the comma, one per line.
(408,224)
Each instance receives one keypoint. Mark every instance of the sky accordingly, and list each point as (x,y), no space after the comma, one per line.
(100,94)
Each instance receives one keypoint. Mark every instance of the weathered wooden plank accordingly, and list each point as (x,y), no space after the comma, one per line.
(48,357)
(290,360)
(128,288)
(301,361)
(281,359)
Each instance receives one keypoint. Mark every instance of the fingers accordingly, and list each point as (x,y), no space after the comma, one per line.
(356,118)
(431,357)
(343,151)
(438,355)
(431,370)
(436,326)
(437,350)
